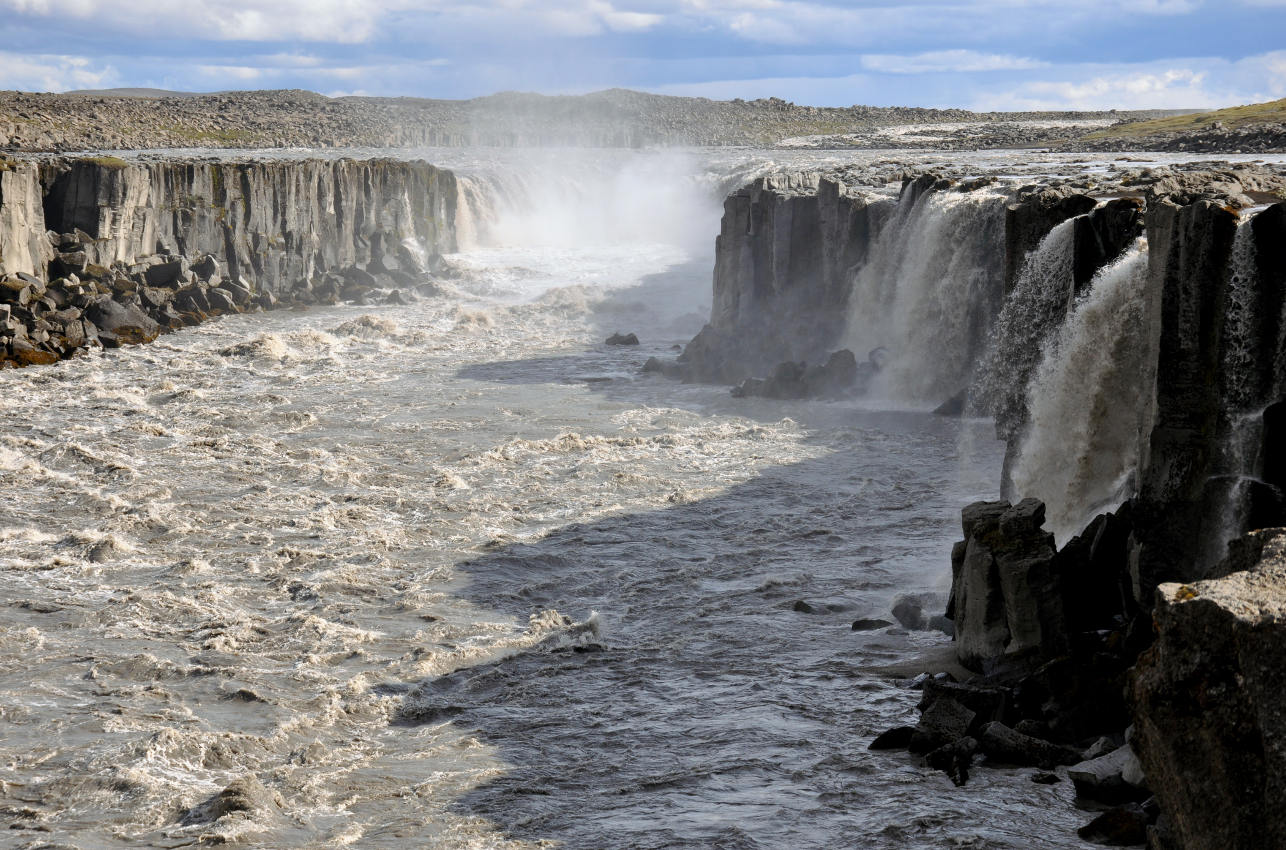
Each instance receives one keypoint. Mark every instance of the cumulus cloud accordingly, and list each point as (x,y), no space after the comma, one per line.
(1171,84)
(943,61)
(52,72)
(337,21)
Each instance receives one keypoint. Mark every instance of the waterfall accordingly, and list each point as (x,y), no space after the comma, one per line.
(928,290)
(475,211)
(1080,451)
(1241,345)
(1035,307)
(1237,467)
(569,199)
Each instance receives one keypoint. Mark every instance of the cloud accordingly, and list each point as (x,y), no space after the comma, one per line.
(947,61)
(51,72)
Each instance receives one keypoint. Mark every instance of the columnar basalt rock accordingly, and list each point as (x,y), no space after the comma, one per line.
(104,251)
(783,263)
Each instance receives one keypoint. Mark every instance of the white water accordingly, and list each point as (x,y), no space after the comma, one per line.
(1081,447)
(926,291)
(1238,467)
(356,553)
(1043,291)
(1241,336)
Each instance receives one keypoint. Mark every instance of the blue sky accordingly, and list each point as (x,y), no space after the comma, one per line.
(979,54)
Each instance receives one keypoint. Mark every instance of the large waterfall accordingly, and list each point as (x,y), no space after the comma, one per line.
(1081,445)
(1032,311)
(927,290)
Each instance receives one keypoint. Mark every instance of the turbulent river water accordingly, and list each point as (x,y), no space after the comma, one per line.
(456,575)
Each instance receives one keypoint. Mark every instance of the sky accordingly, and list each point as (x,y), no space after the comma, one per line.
(976,54)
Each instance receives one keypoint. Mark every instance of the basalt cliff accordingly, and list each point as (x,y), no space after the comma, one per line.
(1128,336)
(100,251)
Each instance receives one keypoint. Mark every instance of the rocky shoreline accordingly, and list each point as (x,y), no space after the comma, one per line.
(100,252)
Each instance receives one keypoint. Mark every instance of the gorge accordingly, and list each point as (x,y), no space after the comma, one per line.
(1122,325)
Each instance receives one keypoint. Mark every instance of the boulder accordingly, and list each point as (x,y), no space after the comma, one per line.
(169,273)
(1104,778)
(622,339)
(897,738)
(118,323)
(221,301)
(944,722)
(1124,826)
(1007,745)
(954,759)
(206,268)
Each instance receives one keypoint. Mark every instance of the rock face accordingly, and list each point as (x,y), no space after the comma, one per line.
(1006,597)
(102,251)
(783,260)
(1209,717)
(1214,371)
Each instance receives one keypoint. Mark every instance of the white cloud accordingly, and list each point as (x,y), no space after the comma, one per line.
(942,61)
(1200,82)
(51,72)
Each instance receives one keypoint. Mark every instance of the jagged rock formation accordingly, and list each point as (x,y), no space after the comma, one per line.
(101,251)
(1211,728)
(613,118)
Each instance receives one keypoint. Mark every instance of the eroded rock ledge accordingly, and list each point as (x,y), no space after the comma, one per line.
(99,251)
(1208,707)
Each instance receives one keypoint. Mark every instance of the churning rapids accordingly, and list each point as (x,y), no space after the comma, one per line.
(454,574)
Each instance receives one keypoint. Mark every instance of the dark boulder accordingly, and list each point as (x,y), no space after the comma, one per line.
(1006,745)
(120,324)
(954,759)
(897,738)
(170,273)
(622,339)
(1124,826)
(942,723)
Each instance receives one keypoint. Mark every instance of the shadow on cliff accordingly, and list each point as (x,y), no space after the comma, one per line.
(703,706)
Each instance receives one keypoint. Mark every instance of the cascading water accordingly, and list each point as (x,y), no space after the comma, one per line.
(927,292)
(1238,464)
(1081,446)
(1032,311)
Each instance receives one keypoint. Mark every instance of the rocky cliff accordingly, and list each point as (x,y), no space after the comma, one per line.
(114,251)
(786,251)
(1211,727)
(1136,368)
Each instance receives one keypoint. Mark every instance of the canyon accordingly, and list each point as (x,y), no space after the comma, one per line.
(1124,330)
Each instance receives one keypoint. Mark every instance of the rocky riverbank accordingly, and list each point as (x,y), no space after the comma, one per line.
(614,118)
(101,252)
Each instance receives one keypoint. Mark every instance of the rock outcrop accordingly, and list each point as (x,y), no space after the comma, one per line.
(103,251)
(784,256)
(1209,717)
